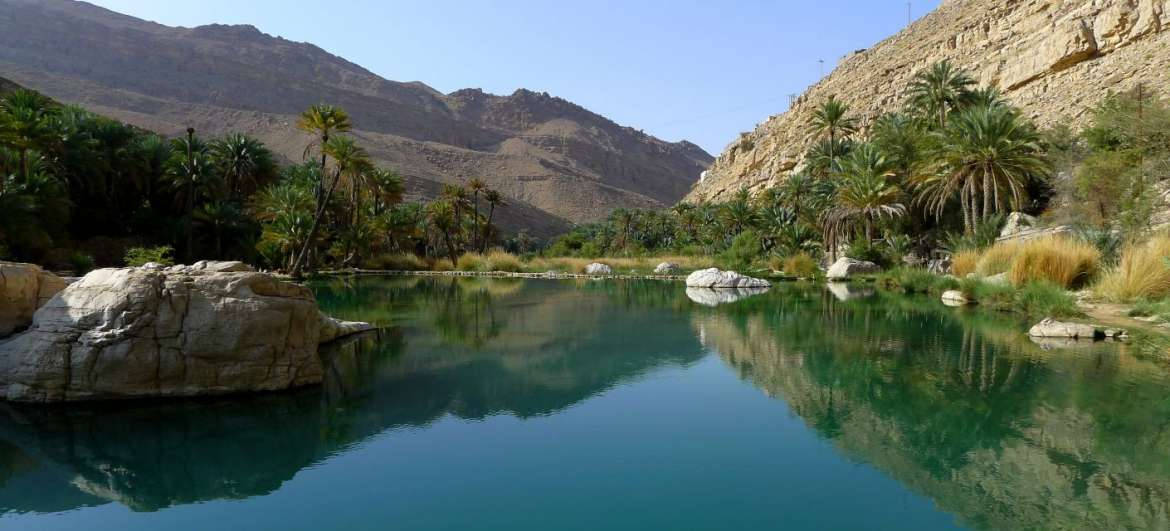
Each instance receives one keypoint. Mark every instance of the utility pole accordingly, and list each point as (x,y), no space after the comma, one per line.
(909,19)
(791,100)
(822,63)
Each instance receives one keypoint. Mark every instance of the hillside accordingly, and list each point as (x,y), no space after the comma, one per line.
(555,161)
(1053,58)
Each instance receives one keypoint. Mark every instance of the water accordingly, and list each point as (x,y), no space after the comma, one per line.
(540,404)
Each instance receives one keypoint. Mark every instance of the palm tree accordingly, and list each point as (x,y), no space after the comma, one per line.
(456,197)
(983,152)
(831,121)
(244,163)
(441,215)
(25,124)
(864,198)
(388,188)
(323,121)
(902,139)
(624,218)
(476,186)
(494,199)
(940,89)
(739,214)
(190,170)
(348,160)
(220,216)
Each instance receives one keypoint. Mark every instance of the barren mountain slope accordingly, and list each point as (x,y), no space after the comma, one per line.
(568,164)
(1053,58)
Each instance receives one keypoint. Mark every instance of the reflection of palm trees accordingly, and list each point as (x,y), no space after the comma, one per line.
(466,316)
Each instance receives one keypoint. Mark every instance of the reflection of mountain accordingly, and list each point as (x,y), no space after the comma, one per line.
(994,429)
(553,346)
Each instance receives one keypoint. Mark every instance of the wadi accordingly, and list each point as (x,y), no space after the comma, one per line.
(251,274)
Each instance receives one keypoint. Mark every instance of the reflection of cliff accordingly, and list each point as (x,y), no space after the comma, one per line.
(553,346)
(993,429)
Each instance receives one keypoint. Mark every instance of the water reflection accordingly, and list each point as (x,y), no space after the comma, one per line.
(443,352)
(963,408)
(715,297)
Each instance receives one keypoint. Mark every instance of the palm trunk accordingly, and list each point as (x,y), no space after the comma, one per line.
(299,263)
(475,221)
(450,248)
(189,225)
(487,228)
(986,196)
(963,196)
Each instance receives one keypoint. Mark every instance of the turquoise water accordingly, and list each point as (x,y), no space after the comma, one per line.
(541,404)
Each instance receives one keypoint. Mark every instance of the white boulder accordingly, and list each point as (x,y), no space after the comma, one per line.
(715,297)
(846,267)
(715,278)
(955,297)
(1052,328)
(137,332)
(597,268)
(666,268)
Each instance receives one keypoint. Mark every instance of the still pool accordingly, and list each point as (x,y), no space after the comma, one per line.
(544,404)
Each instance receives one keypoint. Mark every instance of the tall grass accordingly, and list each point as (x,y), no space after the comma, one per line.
(997,258)
(396,262)
(492,261)
(964,262)
(1066,262)
(800,265)
(1143,272)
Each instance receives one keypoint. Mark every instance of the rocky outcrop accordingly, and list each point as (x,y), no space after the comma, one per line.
(1016,223)
(1053,58)
(23,289)
(846,267)
(1051,328)
(715,278)
(598,269)
(179,331)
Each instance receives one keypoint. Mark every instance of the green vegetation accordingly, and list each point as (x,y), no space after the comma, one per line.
(138,256)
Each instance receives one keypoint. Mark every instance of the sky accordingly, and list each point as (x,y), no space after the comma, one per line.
(702,71)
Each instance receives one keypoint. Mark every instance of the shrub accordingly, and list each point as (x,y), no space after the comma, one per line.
(470,262)
(1143,272)
(1046,299)
(863,249)
(396,262)
(915,280)
(502,261)
(964,262)
(81,263)
(800,265)
(138,256)
(744,250)
(1066,262)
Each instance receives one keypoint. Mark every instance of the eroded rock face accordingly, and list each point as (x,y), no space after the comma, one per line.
(846,267)
(133,332)
(23,289)
(1054,59)
(715,278)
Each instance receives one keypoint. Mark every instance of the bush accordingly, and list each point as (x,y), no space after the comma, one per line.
(1046,299)
(964,262)
(1143,272)
(915,280)
(493,261)
(744,250)
(800,265)
(1066,262)
(396,262)
(138,256)
(863,249)
(81,263)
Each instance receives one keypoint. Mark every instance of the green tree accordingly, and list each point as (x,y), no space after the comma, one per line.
(244,164)
(25,124)
(938,90)
(349,159)
(831,121)
(494,200)
(865,196)
(191,174)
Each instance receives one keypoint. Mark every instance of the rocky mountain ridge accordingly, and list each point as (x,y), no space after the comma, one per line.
(556,162)
(1053,58)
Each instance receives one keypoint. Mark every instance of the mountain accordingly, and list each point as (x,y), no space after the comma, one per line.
(556,162)
(1053,58)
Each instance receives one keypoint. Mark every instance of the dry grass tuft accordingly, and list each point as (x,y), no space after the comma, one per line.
(1142,273)
(963,262)
(997,258)
(1066,262)
(801,265)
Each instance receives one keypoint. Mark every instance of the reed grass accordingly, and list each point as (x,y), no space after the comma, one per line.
(1142,272)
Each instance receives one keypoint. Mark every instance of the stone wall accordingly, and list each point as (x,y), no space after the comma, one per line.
(1053,58)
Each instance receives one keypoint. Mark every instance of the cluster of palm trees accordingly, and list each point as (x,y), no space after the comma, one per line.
(952,149)
(455,209)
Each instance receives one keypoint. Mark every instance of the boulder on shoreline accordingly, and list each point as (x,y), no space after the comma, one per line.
(178,331)
(955,297)
(846,267)
(23,289)
(715,278)
(597,268)
(714,297)
(666,268)
(1051,328)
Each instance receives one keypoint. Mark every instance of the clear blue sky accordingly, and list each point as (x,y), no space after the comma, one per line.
(680,69)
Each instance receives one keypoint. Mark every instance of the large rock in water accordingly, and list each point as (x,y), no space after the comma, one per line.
(846,267)
(23,289)
(135,332)
(714,278)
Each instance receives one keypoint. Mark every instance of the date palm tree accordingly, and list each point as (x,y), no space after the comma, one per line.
(988,153)
(441,216)
(865,196)
(349,159)
(25,124)
(494,199)
(190,171)
(940,89)
(244,163)
(323,121)
(831,121)
(477,186)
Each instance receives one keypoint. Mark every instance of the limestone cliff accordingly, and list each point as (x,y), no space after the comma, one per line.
(1053,58)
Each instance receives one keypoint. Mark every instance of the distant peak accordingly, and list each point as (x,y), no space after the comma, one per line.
(232,30)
